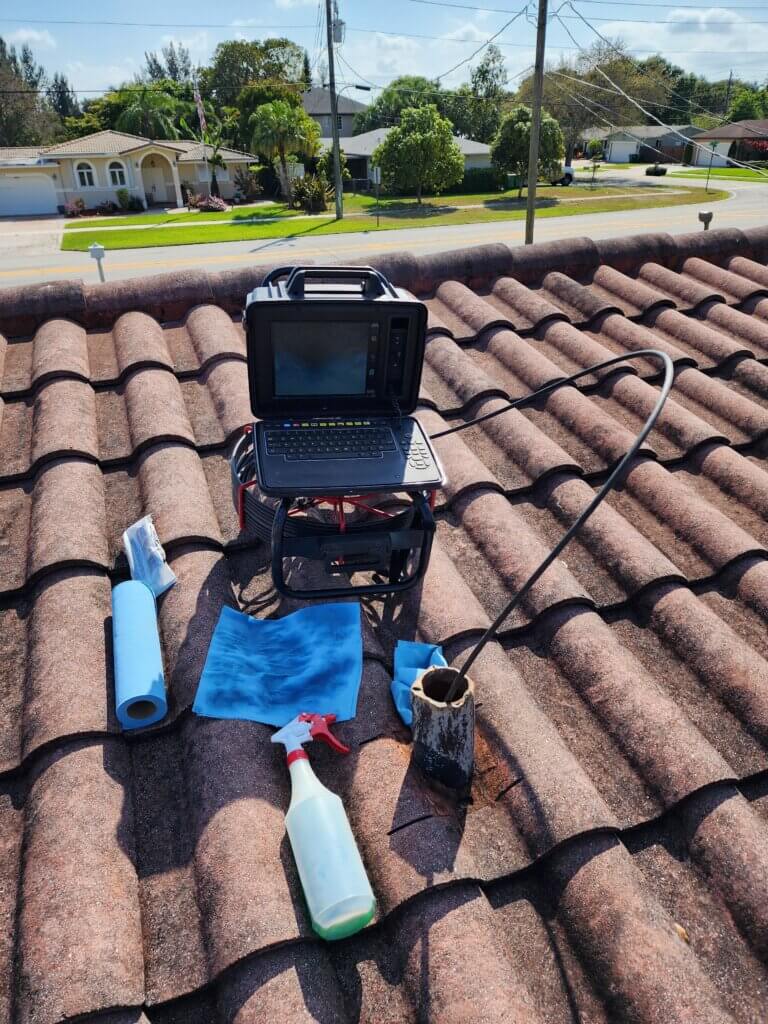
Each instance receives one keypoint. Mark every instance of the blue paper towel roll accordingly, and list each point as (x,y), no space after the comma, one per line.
(139,684)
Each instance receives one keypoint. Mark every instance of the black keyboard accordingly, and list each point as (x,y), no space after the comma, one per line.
(329,441)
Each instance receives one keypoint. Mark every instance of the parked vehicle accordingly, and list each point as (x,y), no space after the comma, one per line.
(567,176)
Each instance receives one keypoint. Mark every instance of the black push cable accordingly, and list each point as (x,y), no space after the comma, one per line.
(610,483)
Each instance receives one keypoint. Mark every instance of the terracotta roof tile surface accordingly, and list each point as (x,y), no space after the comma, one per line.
(613,862)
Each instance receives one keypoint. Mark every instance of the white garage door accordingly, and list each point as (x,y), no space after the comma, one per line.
(26,193)
(619,152)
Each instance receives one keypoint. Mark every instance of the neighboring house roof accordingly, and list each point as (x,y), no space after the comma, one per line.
(613,862)
(14,154)
(751,129)
(317,102)
(364,145)
(654,131)
(111,143)
(106,143)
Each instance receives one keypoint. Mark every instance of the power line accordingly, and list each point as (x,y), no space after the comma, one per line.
(350,28)
(622,21)
(647,113)
(611,3)
(645,71)
(487,42)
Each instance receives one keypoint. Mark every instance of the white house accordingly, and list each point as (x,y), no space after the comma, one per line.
(43,179)
(649,143)
(358,150)
(742,140)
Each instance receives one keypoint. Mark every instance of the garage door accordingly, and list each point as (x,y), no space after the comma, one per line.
(26,193)
(620,151)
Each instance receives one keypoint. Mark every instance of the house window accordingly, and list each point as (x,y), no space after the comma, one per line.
(85,177)
(116,174)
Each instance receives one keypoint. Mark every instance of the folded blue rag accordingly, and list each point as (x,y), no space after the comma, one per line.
(411,659)
(271,670)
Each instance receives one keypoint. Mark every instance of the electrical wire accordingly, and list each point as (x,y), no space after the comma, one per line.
(572,531)
(621,21)
(642,70)
(487,42)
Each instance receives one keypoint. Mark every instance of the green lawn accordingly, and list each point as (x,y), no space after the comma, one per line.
(399,214)
(352,204)
(728,173)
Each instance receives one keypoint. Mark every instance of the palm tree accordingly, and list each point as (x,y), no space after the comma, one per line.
(212,139)
(279,129)
(149,112)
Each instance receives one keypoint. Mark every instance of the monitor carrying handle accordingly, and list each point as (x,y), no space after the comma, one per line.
(372,283)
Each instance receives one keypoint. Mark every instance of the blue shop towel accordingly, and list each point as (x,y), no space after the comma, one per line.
(270,670)
(410,661)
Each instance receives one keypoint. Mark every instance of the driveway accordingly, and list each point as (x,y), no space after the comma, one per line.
(30,236)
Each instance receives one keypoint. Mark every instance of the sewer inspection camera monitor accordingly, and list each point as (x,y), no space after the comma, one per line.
(335,356)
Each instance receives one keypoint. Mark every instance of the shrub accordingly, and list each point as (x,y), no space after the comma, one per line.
(107,208)
(478,179)
(134,203)
(656,171)
(123,198)
(74,208)
(212,204)
(247,182)
(310,193)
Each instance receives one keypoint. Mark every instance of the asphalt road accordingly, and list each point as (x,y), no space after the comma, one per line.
(29,250)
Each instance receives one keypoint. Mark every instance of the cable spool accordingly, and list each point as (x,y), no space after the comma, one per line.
(367,538)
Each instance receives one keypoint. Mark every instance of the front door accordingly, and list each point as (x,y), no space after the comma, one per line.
(156,185)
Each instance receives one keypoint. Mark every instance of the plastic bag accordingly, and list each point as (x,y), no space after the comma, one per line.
(146,557)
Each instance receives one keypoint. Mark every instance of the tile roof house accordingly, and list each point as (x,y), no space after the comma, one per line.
(613,863)
(42,180)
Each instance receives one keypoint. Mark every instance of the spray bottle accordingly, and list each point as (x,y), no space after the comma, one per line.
(332,874)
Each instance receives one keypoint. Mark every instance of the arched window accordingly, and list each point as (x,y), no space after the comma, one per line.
(85,177)
(117,174)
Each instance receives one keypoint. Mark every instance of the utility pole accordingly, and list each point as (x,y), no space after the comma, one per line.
(533,152)
(329,25)
(728,94)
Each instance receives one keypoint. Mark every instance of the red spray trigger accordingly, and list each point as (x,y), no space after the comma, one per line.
(318,729)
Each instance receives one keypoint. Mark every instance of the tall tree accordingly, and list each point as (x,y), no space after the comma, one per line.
(25,118)
(306,73)
(32,72)
(238,62)
(509,151)
(279,129)
(256,95)
(747,105)
(62,97)
(420,153)
(150,113)
(403,93)
(174,63)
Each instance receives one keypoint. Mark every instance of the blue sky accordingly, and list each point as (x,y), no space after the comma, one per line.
(708,40)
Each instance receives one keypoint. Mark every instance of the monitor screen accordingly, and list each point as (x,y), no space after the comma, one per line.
(320,358)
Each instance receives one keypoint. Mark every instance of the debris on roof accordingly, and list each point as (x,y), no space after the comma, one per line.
(613,862)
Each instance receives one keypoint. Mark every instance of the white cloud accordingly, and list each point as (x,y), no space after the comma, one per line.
(96,77)
(39,38)
(726,40)
(295,3)
(197,43)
